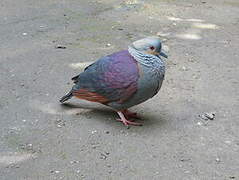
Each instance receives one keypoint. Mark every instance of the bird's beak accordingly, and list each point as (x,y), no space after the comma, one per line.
(163,54)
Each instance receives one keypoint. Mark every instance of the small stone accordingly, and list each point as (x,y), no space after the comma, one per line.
(199,123)
(103,156)
(107,132)
(29,147)
(93,132)
(74,161)
(208,116)
(228,142)
(77,171)
(108,45)
(59,123)
(185,159)
(60,47)
(184,68)
(94,146)
(218,160)
(24,120)
(24,34)
(232,177)
(56,171)
(163,34)
(59,126)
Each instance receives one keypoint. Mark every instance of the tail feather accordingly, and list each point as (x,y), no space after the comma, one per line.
(66,97)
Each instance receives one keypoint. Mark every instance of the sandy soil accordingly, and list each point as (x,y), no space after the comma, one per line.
(40,139)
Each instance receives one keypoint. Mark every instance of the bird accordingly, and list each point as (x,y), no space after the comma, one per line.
(123,79)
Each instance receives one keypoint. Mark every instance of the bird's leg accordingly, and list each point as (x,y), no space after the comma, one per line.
(129,114)
(125,121)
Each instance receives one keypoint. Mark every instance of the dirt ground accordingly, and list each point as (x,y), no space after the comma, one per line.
(45,43)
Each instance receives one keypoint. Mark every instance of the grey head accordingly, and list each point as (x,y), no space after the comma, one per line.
(149,45)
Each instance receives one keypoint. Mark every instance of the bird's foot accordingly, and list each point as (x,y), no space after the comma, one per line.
(129,114)
(125,121)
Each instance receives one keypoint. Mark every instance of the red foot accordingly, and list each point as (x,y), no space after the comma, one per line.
(125,121)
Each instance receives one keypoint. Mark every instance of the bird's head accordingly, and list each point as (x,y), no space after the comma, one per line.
(149,45)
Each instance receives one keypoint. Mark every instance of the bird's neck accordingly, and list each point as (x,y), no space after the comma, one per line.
(148,60)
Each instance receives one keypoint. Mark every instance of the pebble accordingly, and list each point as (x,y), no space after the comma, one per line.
(74,161)
(184,68)
(60,47)
(108,45)
(24,34)
(218,160)
(163,34)
(228,142)
(93,132)
(59,123)
(56,171)
(28,147)
(77,171)
(199,123)
(208,116)
(104,156)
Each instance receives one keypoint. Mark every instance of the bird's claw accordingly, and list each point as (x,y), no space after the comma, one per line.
(127,122)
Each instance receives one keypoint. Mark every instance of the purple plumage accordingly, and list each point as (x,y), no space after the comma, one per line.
(112,78)
(115,81)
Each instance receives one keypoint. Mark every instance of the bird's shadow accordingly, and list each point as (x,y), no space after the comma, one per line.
(109,116)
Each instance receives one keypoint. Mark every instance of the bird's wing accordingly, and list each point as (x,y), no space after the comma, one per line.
(111,78)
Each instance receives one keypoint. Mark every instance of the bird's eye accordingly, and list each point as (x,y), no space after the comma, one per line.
(151,47)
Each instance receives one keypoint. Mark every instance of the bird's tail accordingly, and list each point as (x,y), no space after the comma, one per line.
(66,97)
